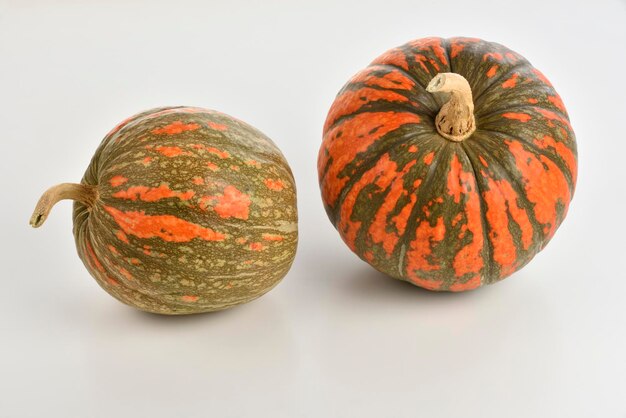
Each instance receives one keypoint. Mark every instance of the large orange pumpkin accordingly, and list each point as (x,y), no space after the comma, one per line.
(448,163)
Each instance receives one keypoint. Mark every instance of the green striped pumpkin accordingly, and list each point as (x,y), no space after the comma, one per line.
(448,163)
(183,210)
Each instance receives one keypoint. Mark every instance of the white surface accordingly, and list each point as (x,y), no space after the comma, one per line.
(335,338)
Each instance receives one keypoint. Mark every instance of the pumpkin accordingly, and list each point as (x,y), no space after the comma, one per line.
(448,163)
(183,210)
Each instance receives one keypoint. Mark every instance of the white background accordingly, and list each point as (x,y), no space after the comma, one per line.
(335,338)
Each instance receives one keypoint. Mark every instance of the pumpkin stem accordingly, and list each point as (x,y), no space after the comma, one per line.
(82,192)
(455,120)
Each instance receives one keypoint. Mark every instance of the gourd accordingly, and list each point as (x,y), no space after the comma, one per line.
(183,210)
(448,163)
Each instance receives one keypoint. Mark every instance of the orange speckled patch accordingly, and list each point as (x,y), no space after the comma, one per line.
(511,82)
(117,181)
(170,151)
(276,185)
(556,101)
(273,237)
(221,154)
(198,180)
(189,298)
(492,71)
(256,246)
(152,194)
(542,77)
(231,204)
(125,273)
(212,166)
(217,126)
(522,117)
(495,55)
(121,236)
(455,49)
(176,128)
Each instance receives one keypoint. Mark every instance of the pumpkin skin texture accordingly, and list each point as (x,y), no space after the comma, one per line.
(194,211)
(441,214)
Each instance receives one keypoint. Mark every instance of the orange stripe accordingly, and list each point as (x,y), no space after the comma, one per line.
(455,48)
(343,142)
(166,227)
(352,100)
(393,57)
(434,44)
(548,114)
(94,259)
(419,256)
(556,101)
(504,250)
(383,173)
(392,79)
(562,151)
(378,229)
(462,187)
(545,185)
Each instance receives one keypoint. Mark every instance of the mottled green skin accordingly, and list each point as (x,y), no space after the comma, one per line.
(169,271)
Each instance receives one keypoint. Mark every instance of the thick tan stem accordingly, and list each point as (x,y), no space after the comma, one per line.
(81,192)
(455,120)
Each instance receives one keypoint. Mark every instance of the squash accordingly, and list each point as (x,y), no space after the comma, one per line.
(448,163)
(183,210)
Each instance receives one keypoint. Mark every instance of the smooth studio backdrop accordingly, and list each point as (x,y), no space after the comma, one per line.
(335,338)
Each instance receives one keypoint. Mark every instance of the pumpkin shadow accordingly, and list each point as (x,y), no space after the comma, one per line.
(189,319)
(366,282)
